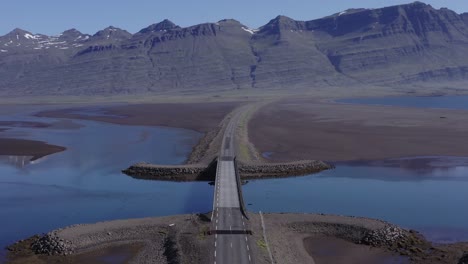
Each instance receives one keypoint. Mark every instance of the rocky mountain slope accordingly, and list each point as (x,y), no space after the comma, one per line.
(388,46)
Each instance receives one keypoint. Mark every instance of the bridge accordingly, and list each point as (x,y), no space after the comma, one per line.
(230,226)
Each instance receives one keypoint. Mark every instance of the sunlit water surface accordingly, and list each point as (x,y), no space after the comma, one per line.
(434,202)
(84,184)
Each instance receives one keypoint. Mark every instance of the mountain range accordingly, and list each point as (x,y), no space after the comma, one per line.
(388,46)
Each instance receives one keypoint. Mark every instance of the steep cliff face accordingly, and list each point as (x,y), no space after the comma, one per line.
(287,57)
(206,56)
(386,46)
(395,44)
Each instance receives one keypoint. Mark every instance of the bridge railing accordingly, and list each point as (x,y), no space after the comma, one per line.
(239,189)
(215,189)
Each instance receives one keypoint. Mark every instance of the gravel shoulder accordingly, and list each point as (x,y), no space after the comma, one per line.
(201,117)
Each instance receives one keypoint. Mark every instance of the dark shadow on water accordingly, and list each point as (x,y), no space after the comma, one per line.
(409,169)
(112,255)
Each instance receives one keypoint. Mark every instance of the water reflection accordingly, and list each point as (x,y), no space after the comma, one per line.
(20,162)
(16,161)
(414,168)
(84,184)
(431,202)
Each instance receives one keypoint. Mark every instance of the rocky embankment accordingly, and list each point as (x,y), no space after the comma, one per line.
(189,172)
(272,170)
(170,239)
(197,172)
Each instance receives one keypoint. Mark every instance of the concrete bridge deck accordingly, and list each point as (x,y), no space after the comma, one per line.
(231,239)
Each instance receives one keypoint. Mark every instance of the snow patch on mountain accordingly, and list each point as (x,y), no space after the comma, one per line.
(251,31)
(29,36)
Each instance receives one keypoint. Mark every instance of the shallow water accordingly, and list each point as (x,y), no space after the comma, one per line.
(84,184)
(448,102)
(433,201)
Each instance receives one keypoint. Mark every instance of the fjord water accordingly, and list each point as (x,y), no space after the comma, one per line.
(448,102)
(84,184)
(432,201)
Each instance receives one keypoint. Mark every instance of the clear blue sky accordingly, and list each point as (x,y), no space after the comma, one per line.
(55,16)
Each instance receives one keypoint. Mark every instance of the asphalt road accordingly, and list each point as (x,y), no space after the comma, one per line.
(231,239)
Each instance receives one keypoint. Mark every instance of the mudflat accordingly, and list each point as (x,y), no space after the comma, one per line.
(35,149)
(24,147)
(201,117)
(296,129)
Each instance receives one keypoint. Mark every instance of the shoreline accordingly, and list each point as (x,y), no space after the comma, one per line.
(24,147)
(200,155)
(187,236)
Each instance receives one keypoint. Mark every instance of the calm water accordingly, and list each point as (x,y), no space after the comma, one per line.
(84,183)
(433,201)
(450,102)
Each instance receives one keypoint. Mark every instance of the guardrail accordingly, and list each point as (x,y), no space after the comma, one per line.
(215,189)
(239,189)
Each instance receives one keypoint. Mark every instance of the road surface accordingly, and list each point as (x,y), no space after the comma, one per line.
(231,238)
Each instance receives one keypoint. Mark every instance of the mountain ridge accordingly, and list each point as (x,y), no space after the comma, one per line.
(393,45)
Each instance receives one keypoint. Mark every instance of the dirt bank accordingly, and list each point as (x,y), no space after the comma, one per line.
(297,129)
(23,147)
(201,117)
(291,236)
(184,239)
